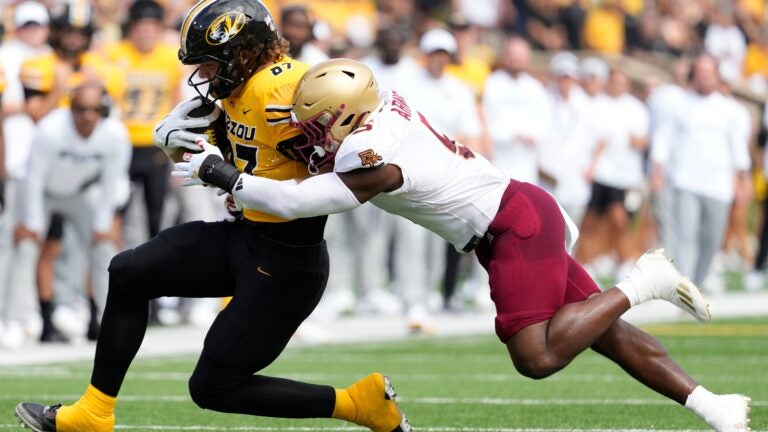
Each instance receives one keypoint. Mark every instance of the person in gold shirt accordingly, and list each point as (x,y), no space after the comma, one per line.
(152,76)
(274,269)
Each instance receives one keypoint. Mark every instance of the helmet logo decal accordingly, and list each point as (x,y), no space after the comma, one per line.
(224,28)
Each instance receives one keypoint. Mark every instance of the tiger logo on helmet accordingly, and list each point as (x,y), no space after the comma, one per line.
(214,30)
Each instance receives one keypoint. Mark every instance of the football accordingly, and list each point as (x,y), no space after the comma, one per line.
(216,132)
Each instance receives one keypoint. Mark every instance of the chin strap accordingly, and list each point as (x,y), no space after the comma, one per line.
(216,172)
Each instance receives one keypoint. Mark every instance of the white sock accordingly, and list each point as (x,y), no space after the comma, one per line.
(699,400)
(628,287)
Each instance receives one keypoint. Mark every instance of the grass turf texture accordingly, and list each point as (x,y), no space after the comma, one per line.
(445,384)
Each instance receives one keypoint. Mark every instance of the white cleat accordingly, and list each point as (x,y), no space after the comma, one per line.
(730,414)
(656,274)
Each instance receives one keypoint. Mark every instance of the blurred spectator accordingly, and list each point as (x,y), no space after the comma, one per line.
(434,90)
(470,64)
(48,80)
(755,279)
(664,101)
(543,27)
(79,155)
(342,16)
(30,21)
(391,66)
(617,171)
(604,29)
(725,42)
(756,61)
(705,150)
(151,74)
(485,14)
(151,78)
(676,34)
(517,112)
(572,16)
(567,150)
(737,250)
(296,28)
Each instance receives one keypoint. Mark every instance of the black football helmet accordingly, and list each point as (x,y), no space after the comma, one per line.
(214,29)
(71,15)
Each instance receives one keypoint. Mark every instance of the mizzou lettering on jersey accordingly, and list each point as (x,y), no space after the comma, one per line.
(258,119)
(240,131)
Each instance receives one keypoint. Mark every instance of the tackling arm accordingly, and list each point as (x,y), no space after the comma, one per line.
(290,199)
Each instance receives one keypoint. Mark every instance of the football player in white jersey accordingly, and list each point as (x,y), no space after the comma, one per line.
(548,309)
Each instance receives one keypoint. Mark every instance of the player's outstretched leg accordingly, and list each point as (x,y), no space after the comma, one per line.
(371,402)
(97,417)
(643,357)
(655,277)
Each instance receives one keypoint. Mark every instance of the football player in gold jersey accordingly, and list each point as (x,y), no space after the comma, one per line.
(152,76)
(275,270)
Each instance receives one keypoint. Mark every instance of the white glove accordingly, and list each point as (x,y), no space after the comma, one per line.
(189,170)
(171,131)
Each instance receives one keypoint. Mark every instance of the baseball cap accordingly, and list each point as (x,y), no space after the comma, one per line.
(437,40)
(30,12)
(564,64)
(594,67)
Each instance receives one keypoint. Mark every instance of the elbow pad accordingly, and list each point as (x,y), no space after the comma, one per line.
(215,171)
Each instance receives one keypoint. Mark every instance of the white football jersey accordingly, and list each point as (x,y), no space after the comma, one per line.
(446,188)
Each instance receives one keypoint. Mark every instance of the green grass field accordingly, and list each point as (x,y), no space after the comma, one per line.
(445,384)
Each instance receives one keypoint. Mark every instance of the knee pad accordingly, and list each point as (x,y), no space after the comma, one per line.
(121,264)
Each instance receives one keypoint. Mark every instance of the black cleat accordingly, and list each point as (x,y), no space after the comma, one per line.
(39,418)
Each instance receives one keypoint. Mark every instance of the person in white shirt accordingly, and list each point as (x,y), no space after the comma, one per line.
(30,20)
(517,112)
(567,152)
(79,158)
(359,269)
(724,41)
(664,101)
(704,148)
(415,279)
(617,169)
(548,309)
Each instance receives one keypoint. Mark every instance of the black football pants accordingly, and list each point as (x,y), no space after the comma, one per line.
(274,286)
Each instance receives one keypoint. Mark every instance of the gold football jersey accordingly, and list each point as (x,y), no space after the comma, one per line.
(258,119)
(38,74)
(150,87)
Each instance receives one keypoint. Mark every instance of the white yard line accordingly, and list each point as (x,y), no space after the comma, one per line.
(403,399)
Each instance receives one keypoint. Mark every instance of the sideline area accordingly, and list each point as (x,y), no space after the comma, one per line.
(188,339)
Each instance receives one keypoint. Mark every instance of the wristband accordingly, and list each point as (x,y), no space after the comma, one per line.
(216,172)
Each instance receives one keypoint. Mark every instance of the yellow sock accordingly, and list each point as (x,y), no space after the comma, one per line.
(366,403)
(345,408)
(94,412)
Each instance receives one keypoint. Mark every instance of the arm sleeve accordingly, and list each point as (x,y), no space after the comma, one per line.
(319,195)
(114,169)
